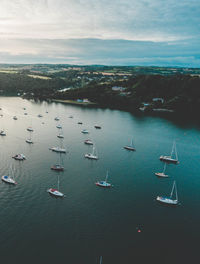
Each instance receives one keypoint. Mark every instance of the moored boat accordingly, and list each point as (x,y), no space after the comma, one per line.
(169,200)
(19,157)
(173,158)
(8,179)
(88,142)
(104,183)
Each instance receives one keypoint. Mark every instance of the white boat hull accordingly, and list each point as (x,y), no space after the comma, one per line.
(60,150)
(7,179)
(90,156)
(103,184)
(166,200)
(168,159)
(55,192)
(161,174)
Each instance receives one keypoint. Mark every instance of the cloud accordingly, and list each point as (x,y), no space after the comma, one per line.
(98,51)
(100,31)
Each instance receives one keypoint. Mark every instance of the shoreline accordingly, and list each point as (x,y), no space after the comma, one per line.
(73,102)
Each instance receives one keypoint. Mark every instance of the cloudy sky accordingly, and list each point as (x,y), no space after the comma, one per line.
(110,32)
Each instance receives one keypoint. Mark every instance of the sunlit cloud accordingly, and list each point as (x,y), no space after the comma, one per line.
(170,22)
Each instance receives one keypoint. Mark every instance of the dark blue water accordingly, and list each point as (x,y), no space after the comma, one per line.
(90,222)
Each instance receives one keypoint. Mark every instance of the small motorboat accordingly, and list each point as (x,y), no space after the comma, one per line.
(58,149)
(14,117)
(2,133)
(85,131)
(88,142)
(57,167)
(97,126)
(19,157)
(39,115)
(55,192)
(56,118)
(80,123)
(59,126)
(30,129)
(8,179)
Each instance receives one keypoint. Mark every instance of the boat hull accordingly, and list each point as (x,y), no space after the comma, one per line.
(161,175)
(8,180)
(129,148)
(57,168)
(167,201)
(58,150)
(168,159)
(103,184)
(89,156)
(55,193)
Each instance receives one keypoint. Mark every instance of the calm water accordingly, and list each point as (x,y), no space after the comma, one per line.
(89,221)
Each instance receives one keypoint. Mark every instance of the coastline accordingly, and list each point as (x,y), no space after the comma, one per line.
(73,102)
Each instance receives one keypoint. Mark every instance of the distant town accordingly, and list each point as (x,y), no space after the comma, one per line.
(145,89)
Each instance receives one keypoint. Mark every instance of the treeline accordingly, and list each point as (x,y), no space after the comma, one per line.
(180,92)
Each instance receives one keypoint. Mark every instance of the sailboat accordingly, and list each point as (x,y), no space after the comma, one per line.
(88,142)
(58,167)
(2,133)
(30,129)
(84,131)
(9,179)
(59,149)
(92,155)
(19,157)
(162,174)
(55,192)
(59,126)
(173,158)
(56,118)
(14,117)
(130,147)
(169,200)
(104,183)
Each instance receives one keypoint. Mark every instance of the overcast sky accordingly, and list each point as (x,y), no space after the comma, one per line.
(111,32)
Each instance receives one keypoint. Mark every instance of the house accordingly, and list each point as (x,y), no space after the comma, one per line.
(160,100)
(118,88)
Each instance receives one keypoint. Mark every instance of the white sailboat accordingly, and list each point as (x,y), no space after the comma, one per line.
(173,158)
(19,157)
(130,147)
(59,126)
(56,192)
(169,200)
(92,155)
(88,142)
(9,179)
(85,131)
(2,133)
(59,149)
(104,183)
(162,174)
(56,118)
(30,129)
(58,166)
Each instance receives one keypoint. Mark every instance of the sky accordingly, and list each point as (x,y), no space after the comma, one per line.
(108,32)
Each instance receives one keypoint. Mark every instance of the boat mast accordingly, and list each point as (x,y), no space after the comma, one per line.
(106,177)
(164,168)
(175,151)
(172,190)
(176,192)
(58,183)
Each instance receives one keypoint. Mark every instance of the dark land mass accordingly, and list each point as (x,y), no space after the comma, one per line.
(148,89)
